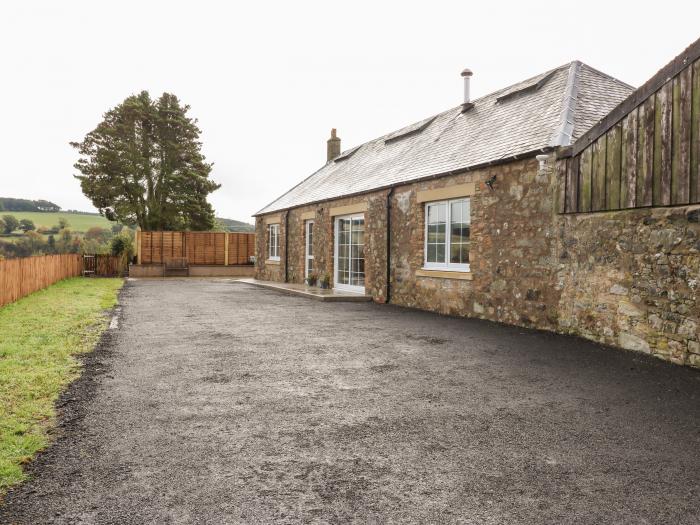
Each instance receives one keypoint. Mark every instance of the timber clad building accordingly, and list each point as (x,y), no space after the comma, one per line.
(563,202)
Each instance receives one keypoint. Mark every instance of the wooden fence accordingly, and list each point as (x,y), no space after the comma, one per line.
(205,248)
(104,265)
(20,277)
(646,152)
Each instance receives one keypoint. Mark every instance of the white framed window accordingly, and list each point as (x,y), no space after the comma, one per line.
(273,242)
(447,229)
(309,242)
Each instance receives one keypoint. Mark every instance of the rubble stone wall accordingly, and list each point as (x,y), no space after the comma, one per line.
(625,278)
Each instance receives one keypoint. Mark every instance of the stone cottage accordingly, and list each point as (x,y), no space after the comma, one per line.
(463,213)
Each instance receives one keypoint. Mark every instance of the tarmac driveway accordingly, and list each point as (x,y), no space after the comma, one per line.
(217,402)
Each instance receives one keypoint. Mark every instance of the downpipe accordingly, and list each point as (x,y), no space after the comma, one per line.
(286,247)
(388,245)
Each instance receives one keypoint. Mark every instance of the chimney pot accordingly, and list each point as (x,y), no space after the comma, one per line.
(333,146)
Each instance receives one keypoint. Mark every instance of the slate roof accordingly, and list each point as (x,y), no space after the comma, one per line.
(548,110)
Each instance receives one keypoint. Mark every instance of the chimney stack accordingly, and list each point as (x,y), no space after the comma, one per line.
(467,104)
(333,148)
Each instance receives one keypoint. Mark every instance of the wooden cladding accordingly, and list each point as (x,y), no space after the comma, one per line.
(651,157)
(20,277)
(205,248)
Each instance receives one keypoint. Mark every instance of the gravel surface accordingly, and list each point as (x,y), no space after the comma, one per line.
(211,401)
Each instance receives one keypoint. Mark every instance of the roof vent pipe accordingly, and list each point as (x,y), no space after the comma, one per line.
(467,104)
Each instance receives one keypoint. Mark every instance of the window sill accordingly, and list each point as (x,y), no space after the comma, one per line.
(272,261)
(445,274)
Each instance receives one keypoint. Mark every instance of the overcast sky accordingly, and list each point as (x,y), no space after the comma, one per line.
(268,80)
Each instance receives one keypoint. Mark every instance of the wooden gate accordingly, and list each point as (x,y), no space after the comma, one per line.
(95,265)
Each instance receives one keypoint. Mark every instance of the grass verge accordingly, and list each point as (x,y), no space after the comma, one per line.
(40,335)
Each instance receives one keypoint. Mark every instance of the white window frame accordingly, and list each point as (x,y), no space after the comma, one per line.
(336,231)
(273,235)
(309,225)
(447,266)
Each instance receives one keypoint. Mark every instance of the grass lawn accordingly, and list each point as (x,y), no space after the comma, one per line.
(39,337)
(78,222)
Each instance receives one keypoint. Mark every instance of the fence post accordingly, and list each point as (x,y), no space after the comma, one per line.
(138,245)
(226,249)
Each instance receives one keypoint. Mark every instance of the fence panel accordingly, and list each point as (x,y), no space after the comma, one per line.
(199,248)
(241,246)
(20,277)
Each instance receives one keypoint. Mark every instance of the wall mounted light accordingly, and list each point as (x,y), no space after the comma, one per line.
(490,181)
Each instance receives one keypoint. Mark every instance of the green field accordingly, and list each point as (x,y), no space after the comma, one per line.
(78,222)
(41,334)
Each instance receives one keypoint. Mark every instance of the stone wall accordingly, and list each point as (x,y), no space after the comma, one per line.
(265,269)
(625,278)
(512,249)
(631,279)
(375,243)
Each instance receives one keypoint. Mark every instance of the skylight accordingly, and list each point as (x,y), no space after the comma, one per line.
(347,154)
(521,89)
(413,129)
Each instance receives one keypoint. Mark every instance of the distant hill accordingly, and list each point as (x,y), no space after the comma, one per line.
(235,226)
(10,204)
(77,222)
(46,214)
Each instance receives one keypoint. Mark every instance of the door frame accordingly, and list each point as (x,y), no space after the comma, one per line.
(307,223)
(336,236)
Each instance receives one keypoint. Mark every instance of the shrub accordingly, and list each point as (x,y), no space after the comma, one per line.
(10,223)
(122,245)
(97,234)
(27,225)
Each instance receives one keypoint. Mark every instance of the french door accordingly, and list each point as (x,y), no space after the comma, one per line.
(309,252)
(349,267)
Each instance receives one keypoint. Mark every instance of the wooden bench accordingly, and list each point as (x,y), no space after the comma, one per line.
(175,266)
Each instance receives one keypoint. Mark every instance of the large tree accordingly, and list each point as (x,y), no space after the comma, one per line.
(143,165)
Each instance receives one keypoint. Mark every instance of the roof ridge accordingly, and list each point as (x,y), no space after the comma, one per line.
(565,129)
(457,107)
(547,124)
(293,187)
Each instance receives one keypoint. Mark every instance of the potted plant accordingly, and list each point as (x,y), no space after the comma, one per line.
(325,281)
(312,279)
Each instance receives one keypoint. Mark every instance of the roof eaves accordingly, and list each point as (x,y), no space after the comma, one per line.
(456,171)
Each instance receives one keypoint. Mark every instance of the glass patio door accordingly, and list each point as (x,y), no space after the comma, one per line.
(309,256)
(349,274)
